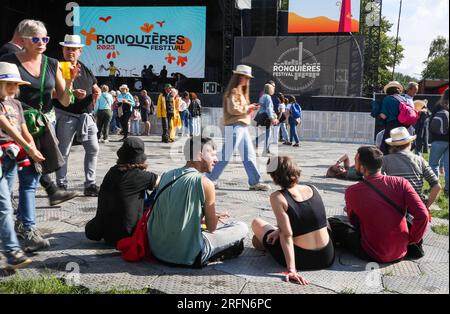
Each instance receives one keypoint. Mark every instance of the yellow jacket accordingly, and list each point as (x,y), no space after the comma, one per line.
(161,107)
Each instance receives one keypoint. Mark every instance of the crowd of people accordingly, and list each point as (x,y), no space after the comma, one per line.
(387,211)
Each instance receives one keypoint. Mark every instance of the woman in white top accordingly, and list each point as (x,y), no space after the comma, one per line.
(184,113)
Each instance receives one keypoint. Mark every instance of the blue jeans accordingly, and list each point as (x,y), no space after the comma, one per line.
(293,129)
(237,136)
(284,132)
(439,151)
(115,124)
(184,115)
(7,233)
(28,182)
(135,127)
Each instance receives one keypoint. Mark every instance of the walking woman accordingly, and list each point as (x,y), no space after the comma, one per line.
(46,79)
(104,114)
(126,104)
(195,115)
(237,109)
(301,241)
(267,114)
(390,111)
(439,124)
(184,113)
(294,117)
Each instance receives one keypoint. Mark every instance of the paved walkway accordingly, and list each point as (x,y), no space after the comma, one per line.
(97,267)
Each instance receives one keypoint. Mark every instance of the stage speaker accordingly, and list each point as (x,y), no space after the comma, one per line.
(209,88)
(264,17)
(243,4)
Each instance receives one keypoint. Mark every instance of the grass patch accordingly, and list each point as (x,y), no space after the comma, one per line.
(440,229)
(347,291)
(53,285)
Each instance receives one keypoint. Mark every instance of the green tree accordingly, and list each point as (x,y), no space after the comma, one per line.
(436,65)
(404,79)
(387,46)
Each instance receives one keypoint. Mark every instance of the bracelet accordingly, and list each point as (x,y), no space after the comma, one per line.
(27,147)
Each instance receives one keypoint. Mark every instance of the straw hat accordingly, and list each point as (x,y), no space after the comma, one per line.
(123,86)
(10,73)
(73,41)
(243,70)
(400,136)
(394,84)
(420,104)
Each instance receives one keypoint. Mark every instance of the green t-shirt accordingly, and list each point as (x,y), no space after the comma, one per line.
(352,175)
(174,227)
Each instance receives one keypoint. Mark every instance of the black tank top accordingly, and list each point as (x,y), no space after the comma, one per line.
(306,216)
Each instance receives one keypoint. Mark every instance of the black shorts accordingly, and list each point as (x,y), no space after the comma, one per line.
(304,259)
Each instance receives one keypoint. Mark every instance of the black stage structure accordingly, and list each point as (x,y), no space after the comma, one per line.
(225,24)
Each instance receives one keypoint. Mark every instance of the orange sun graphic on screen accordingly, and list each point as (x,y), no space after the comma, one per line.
(185,47)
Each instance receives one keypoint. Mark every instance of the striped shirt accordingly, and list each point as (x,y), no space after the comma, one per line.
(411,167)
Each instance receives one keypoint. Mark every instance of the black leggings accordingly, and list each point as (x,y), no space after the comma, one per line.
(304,259)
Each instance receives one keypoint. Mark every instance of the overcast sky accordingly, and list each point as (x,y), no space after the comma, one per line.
(421,22)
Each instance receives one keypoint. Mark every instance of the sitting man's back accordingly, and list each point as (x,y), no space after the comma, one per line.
(379,229)
(175,225)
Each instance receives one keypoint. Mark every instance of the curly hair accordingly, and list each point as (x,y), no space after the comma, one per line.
(287,172)
(127,167)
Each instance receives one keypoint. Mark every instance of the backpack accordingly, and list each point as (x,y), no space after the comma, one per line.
(296,111)
(408,115)
(438,124)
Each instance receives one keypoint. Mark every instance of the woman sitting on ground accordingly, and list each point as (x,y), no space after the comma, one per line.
(342,170)
(302,241)
(122,193)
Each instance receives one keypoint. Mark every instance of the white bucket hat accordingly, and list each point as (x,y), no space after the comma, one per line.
(73,41)
(243,70)
(394,84)
(10,73)
(400,136)
(123,86)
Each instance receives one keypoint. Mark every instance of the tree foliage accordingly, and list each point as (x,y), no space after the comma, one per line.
(436,65)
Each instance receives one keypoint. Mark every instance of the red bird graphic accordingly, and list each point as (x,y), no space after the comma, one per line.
(161,23)
(170,58)
(105,19)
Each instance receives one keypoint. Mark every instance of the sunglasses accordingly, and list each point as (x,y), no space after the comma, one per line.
(36,40)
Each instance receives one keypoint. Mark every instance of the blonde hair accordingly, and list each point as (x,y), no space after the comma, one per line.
(3,92)
(269,89)
(105,88)
(30,28)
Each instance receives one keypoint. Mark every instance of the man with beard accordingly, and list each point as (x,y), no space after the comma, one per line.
(378,231)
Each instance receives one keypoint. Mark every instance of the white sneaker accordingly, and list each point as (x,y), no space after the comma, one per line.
(260,187)
(105,141)
(101,141)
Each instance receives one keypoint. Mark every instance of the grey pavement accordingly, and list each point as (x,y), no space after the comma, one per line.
(100,268)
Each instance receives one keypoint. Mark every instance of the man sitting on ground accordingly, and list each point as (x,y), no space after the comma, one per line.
(342,170)
(175,224)
(379,231)
(401,162)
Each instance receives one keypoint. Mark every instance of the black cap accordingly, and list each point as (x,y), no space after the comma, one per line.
(132,151)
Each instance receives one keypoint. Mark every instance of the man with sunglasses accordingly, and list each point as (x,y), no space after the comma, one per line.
(76,121)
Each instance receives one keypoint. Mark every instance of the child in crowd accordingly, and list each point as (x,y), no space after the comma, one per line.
(15,141)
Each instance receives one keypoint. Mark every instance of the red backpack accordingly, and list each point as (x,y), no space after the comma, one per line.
(408,115)
(137,247)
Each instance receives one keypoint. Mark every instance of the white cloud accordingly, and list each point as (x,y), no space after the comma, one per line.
(421,22)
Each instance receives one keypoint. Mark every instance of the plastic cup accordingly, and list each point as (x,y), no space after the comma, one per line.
(65,69)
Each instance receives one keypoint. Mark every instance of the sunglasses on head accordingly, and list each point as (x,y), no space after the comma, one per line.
(36,40)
